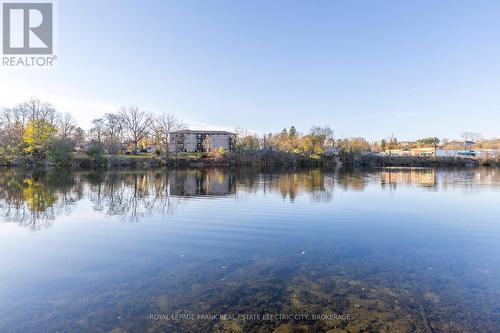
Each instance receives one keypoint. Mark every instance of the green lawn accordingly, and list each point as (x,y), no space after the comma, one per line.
(189,155)
(145,155)
(79,156)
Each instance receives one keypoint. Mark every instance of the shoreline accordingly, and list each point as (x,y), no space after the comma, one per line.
(371,161)
(424,161)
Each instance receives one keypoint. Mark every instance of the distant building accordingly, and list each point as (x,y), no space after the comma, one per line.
(201,141)
(331,150)
(398,152)
(468,144)
(411,152)
(423,152)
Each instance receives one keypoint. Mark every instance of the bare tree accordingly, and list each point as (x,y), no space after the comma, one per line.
(112,132)
(11,127)
(66,126)
(471,136)
(136,124)
(36,110)
(96,132)
(79,137)
(324,135)
(392,143)
(246,141)
(163,127)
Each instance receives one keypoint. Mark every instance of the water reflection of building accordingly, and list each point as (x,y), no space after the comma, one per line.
(201,183)
(426,178)
(34,200)
(470,180)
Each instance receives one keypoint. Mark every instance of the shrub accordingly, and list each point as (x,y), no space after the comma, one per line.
(95,152)
(60,151)
(217,153)
(8,155)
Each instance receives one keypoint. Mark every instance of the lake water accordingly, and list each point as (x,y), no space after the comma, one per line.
(391,250)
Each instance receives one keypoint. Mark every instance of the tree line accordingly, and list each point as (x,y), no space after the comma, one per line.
(36,131)
(312,144)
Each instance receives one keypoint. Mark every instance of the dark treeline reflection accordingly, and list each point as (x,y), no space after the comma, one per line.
(131,195)
(34,199)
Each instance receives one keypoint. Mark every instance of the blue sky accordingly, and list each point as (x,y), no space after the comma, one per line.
(366,68)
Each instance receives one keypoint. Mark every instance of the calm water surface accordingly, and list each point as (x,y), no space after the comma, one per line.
(392,250)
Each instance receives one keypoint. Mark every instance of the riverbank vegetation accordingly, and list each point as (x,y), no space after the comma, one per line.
(35,134)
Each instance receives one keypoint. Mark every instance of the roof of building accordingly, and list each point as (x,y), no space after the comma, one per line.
(203,132)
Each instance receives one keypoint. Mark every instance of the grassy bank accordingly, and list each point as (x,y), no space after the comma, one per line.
(257,159)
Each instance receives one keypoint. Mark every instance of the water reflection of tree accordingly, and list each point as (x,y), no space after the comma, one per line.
(131,195)
(290,184)
(351,179)
(34,199)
